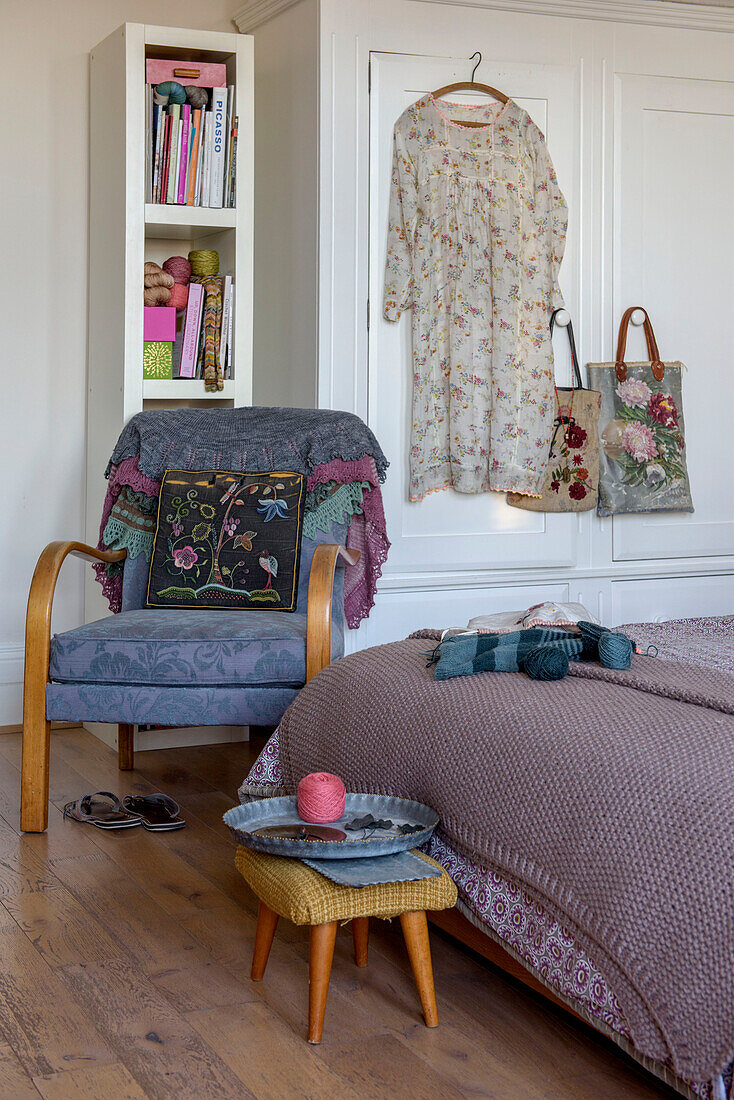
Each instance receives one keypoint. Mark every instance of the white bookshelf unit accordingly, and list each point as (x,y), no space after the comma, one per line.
(125,231)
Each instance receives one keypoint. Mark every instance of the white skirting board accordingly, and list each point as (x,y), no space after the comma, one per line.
(172,738)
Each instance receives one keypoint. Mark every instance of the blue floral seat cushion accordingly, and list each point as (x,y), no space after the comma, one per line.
(184,647)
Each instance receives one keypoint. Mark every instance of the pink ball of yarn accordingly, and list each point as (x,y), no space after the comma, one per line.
(321,798)
(179,296)
(179,267)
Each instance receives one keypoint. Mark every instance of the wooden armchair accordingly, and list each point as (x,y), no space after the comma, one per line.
(87,674)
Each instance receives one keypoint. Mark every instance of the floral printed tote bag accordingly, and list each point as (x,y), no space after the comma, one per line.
(643,458)
(573,462)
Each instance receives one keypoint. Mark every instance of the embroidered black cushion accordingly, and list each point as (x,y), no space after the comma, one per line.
(227,539)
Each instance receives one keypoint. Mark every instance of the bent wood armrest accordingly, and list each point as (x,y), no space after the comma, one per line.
(320,591)
(34,767)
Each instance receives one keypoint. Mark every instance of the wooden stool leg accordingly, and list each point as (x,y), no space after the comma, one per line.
(125,747)
(415,933)
(319,972)
(361,936)
(267,922)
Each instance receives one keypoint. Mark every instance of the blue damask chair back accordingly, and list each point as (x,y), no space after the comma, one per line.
(135,582)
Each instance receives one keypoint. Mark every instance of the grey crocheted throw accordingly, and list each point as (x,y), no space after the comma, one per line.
(256,438)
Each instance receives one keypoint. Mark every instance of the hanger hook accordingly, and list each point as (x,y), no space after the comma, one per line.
(477,53)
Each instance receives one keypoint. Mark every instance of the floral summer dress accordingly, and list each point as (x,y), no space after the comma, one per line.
(476,237)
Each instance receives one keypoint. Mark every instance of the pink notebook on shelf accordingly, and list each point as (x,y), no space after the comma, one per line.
(159,323)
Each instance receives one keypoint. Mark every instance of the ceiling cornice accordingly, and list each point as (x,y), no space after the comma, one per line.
(255,12)
(656,13)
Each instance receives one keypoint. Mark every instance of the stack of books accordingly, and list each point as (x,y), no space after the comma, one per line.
(191,153)
(188,347)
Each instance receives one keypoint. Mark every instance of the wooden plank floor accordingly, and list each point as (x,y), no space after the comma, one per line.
(124,967)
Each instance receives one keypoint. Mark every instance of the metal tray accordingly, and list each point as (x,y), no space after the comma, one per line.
(243,821)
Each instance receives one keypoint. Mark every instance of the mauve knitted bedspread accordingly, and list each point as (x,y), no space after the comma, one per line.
(609,795)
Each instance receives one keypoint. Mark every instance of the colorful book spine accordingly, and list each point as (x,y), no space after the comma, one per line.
(172,186)
(228,144)
(225,321)
(230,326)
(158,154)
(192,325)
(149,144)
(233,175)
(194,156)
(183,154)
(200,163)
(219,141)
(166,156)
(206,168)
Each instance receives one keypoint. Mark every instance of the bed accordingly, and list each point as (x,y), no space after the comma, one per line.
(500,917)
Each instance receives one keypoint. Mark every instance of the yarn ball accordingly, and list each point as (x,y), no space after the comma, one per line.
(321,798)
(169,91)
(546,663)
(156,296)
(150,268)
(179,296)
(179,267)
(159,278)
(204,261)
(197,97)
(615,650)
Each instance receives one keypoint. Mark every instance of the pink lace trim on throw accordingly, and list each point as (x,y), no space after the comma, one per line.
(367,533)
(126,474)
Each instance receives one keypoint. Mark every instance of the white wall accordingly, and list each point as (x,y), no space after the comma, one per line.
(43,288)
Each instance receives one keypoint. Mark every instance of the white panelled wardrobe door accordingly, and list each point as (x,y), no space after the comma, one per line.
(448,531)
(673,248)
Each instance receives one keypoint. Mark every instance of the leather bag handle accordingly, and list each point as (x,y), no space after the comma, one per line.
(572,342)
(658,367)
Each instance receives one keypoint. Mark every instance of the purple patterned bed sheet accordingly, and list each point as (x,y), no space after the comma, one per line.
(511,914)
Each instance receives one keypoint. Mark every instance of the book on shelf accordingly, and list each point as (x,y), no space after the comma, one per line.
(226,291)
(188,346)
(219,125)
(190,154)
(192,327)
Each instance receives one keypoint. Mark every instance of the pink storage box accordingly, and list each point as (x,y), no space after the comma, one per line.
(159,323)
(208,74)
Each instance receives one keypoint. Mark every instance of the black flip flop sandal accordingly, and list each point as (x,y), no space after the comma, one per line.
(158,812)
(102,809)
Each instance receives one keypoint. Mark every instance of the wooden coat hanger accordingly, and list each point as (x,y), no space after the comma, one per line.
(471,86)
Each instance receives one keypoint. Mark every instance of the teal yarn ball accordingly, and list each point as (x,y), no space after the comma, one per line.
(547,663)
(615,650)
(170,91)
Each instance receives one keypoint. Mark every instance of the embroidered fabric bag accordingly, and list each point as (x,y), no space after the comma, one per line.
(643,461)
(572,480)
(227,540)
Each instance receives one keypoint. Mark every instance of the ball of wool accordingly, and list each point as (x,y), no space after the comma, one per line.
(204,261)
(615,650)
(197,97)
(179,296)
(179,267)
(546,663)
(159,278)
(169,91)
(321,798)
(156,296)
(150,268)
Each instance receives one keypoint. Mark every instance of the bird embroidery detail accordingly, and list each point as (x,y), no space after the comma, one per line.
(270,564)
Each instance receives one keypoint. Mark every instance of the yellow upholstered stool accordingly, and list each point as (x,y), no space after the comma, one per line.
(288,888)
